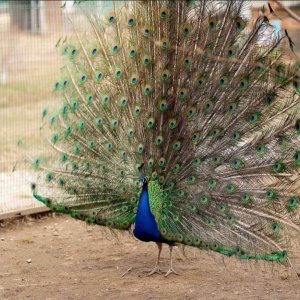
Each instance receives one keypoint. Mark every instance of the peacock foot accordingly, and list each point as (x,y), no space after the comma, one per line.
(156,270)
(170,272)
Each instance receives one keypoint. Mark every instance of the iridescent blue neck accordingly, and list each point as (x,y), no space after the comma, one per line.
(145,228)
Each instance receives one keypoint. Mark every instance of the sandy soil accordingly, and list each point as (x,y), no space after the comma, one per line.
(60,258)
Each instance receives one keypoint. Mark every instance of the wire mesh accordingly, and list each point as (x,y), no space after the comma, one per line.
(29,63)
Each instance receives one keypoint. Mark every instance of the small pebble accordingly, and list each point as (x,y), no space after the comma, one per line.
(55,234)
(29,261)
(2,239)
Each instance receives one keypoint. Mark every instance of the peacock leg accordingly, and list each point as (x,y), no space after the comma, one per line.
(171,267)
(156,268)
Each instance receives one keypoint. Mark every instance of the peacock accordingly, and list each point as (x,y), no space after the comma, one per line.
(178,121)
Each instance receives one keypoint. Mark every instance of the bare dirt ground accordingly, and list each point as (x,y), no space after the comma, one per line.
(60,258)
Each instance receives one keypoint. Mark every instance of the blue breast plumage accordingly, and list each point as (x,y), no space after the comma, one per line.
(145,228)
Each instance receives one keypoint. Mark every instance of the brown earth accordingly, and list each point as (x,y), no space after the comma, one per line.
(59,258)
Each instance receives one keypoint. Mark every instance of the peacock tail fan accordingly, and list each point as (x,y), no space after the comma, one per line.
(199,100)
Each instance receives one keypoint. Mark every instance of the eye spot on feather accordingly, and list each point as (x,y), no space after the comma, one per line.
(64,109)
(105,100)
(63,157)
(172,123)
(223,81)
(246,198)
(195,137)
(204,200)
(240,23)
(163,105)
(212,183)
(187,61)
(147,90)
(176,145)
(140,149)
(150,163)
(159,140)
(201,82)
(191,179)
(212,22)
(150,123)
(137,111)
(61,182)
(278,167)
(258,68)
(132,53)
(230,188)
(210,222)
(230,218)
(293,203)
(163,14)
(54,138)
(161,161)
(131,22)
(270,194)
(191,112)
(186,29)
(146,32)
(165,75)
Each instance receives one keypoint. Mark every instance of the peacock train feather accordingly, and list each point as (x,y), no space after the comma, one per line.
(182,118)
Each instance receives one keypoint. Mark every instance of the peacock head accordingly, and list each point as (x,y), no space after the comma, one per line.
(143,179)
